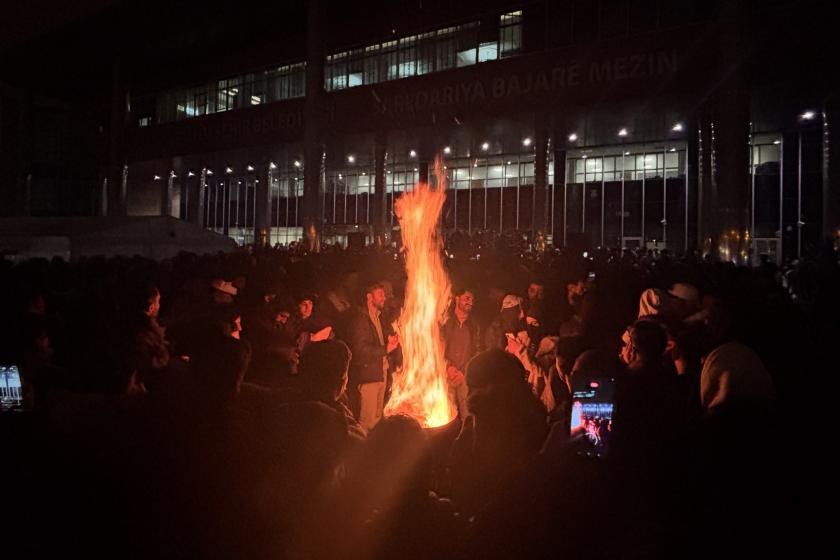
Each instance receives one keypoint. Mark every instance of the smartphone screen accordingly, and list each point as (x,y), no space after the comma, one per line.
(11,392)
(593,409)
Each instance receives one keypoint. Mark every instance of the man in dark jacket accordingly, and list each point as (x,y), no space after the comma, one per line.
(370,342)
(462,340)
(148,346)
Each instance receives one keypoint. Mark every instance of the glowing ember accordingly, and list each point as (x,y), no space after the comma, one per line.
(420,389)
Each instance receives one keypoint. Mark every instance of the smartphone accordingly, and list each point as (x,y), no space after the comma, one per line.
(593,410)
(11,390)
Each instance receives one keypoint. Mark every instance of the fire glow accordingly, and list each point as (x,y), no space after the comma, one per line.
(420,389)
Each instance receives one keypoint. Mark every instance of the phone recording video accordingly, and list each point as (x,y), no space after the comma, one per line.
(593,409)
(11,392)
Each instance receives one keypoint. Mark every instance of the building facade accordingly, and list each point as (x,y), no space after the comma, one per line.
(676,125)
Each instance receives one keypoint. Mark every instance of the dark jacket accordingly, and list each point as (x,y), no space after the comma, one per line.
(449,329)
(366,364)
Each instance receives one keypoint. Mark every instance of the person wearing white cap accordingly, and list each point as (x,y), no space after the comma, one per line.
(509,323)
(223,291)
(680,301)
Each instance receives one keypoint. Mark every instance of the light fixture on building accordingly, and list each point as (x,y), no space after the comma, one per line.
(584,156)
(678,127)
(228,170)
(415,169)
(363,173)
(807,115)
(572,137)
(526,142)
(389,172)
(485,146)
(444,167)
(412,153)
(351,159)
(777,142)
(297,163)
(672,150)
(156,178)
(509,163)
(172,173)
(190,174)
(209,172)
(447,150)
(626,153)
(339,176)
(250,167)
(272,165)
(622,132)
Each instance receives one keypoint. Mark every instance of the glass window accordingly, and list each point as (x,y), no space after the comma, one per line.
(462,173)
(488,51)
(768,153)
(356,68)
(527,169)
(495,171)
(257,89)
(466,57)
(426,54)
(407,57)
(201,101)
(510,34)
(446,56)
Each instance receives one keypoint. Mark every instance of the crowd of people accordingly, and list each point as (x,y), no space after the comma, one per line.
(232,405)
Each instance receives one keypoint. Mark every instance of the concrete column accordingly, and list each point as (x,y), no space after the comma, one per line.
(730,174)
(185,192)
(228,183)
(102,199)
(425,156)
(195,208)
(381,232)
(118,169)
(166,194)
(23,196)
(705,153)
(262,206)
(831,176)
(314,154)
(693,176)
(730,177)
(559,233)
(542,194)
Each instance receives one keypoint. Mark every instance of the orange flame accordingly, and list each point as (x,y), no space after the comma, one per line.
(420,390)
